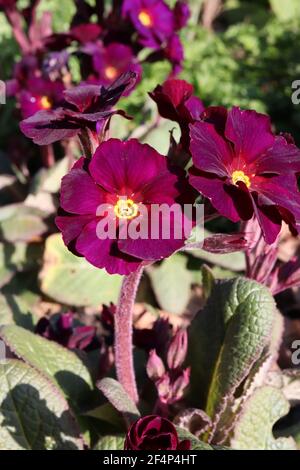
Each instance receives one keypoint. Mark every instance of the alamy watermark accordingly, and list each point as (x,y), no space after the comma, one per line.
(126,219)
(296,354)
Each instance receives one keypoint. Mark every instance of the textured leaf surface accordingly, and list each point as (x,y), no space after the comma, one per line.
(197,444)
(171,282)
(72,280)
(110,443)
(33,412)
(117,396)
(21,223)
(262,410)
(59,364)
(226,338)
(232,261)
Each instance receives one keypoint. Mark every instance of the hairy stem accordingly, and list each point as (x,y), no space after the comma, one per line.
(47,155)
(123,333)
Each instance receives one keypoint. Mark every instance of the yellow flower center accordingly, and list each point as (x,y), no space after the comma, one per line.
(45,102)
(145,19)
(239,176)
(126,209)
(111,72)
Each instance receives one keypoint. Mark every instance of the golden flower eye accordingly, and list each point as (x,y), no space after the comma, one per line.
(126,209)
(145,19)
(111,72)
(45,102)
(239,176)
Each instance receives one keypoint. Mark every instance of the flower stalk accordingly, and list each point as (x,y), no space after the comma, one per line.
(123,333)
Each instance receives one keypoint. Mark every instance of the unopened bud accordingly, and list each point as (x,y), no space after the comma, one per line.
(177,349)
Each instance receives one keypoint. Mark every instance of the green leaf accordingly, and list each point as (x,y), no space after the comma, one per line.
(21,223)
(226,338)
(34,415)
(117,396)
(110,443)
(61,16)
(171,282)
(49,180)
(71,280)
(15,309)
(232,261)
(196,444)
(291,10)
(208,280)
(108,414)
(61,366)
(159,138)
(254,428)
(17,257)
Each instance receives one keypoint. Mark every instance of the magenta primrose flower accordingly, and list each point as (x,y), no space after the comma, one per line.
(40,94)
(112,61)
(245,170)
(121,176)
(84,107)
(153,19)
(154,433)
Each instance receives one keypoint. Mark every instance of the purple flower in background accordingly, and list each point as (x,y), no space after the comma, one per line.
(64,330)
(112,61)
(181,14)
(156,337)
(154,433)
(172,381)
(5,4)
(82,33)
(124,176)
(40,94)
(174,53)
(153,19)
(84,107)
(245,170)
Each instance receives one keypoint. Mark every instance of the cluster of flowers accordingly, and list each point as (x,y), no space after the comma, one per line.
(242,169)
(106,44)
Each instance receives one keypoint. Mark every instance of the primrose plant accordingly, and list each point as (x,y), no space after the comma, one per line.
(212,381)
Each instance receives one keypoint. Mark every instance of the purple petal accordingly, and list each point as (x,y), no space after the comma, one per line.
(118,165)
(80,194)
(104,253)
(209,151)
(72,226)
(282,158)
(250,132)
(214,190)
(46,127)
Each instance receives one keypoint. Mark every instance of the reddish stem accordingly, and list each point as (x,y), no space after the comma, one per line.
(123,333)
(47,155)
(15,20)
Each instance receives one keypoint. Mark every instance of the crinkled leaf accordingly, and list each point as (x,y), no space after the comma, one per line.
(226,338)
(117,396)
(71,280)
(34,414)
(21,223)
(110,443)
(262,410)
(57,363)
